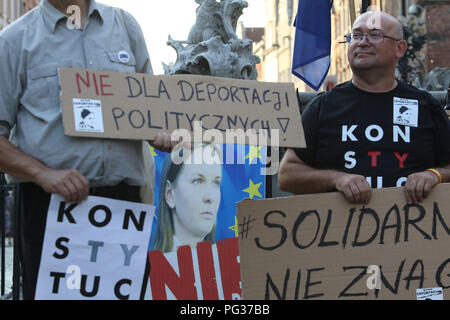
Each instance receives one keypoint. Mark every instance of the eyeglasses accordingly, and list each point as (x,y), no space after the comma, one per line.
(373,37)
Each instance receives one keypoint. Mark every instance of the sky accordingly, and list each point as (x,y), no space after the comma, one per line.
(159,18)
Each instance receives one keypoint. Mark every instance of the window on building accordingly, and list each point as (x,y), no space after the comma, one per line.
(290,12)
(271,72)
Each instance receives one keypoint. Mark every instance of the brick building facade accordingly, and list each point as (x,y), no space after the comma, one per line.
(438,31)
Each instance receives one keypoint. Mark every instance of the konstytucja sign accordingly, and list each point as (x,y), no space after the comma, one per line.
(94,250)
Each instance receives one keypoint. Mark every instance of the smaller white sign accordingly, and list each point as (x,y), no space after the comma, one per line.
(94,250)
(406,112)
(430,294)
(88,115)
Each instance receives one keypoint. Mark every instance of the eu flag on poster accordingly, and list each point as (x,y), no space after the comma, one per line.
(241,177)
(312,47)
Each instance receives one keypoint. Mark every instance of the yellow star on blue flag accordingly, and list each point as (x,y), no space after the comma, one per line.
(254,153)
(152,151)
(253,189)
(235,227)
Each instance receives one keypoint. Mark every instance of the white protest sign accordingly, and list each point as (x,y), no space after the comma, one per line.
(94,250)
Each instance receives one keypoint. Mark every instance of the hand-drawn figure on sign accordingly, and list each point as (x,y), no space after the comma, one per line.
(88,119)
(405,115)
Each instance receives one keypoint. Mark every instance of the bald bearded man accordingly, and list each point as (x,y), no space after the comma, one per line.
(357,135)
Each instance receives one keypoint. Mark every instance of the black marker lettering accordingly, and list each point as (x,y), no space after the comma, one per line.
(283,230)
(138,92)
(117,114)
(140,119)
(355,280)
(182,86)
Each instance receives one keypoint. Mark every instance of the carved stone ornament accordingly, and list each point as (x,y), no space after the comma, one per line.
(212,47)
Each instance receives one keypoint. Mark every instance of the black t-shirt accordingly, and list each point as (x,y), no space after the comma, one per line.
(382,136)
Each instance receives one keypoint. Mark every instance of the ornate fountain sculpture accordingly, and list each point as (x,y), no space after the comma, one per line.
(212,47)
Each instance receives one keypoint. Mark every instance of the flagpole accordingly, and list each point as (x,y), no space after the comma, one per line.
(352,12)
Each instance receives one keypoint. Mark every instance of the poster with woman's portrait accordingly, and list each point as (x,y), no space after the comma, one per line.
(202,192)
(195,203)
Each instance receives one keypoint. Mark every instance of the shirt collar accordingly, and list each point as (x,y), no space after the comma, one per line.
(52,15)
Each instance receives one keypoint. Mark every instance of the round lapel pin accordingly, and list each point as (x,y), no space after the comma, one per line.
(123,56)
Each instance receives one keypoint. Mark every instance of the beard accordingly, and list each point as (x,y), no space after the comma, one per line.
(68,2)
(362,64)
(361,67)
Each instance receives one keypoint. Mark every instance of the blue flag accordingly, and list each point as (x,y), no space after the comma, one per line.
(312,47)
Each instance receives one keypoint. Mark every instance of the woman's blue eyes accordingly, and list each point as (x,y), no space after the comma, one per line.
(200,180)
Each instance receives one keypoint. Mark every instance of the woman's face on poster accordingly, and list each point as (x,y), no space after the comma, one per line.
(195,197)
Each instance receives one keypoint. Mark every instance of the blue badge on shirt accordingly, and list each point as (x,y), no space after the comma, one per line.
(123,56)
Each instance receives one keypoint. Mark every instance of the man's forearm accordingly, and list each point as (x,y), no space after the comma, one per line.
(18,164)
(314,181)
(299,178)
(69,183)
(444,171)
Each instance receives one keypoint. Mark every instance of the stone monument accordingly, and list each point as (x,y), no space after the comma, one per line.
(212,47)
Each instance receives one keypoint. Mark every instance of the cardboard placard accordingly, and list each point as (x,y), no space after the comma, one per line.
(109,104)
(327,248)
